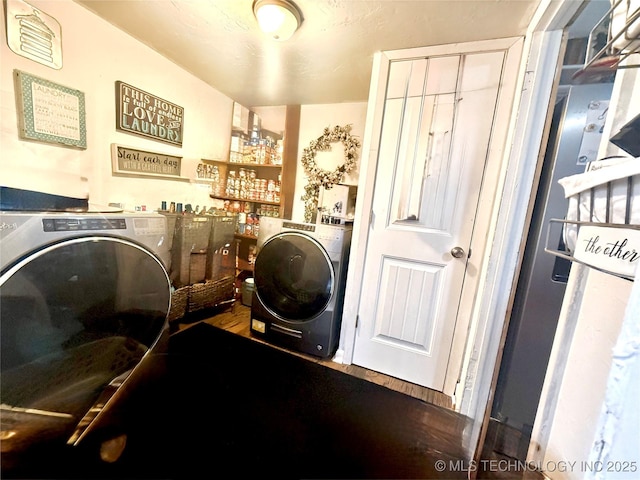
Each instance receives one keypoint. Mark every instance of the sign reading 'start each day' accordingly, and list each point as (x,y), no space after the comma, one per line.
(139,162)
(615,250)
(141,113)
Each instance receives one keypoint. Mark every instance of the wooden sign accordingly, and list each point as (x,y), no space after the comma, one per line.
(612,249)
(130,161)
(141,113)
(48,112)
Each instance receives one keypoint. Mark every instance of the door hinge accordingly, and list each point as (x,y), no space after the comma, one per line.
(357,320)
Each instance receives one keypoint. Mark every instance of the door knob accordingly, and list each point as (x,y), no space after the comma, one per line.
(457,252)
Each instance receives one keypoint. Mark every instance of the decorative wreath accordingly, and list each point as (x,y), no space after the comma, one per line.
(319,177)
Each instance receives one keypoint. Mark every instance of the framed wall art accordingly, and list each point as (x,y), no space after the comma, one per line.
(49,112)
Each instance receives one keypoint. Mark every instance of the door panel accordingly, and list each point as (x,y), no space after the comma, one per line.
(435,137)
(399,320)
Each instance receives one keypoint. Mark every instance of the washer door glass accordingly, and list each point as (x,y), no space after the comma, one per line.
(76,315)
(294,277)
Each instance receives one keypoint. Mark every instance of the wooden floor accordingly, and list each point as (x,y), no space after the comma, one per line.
(236,319)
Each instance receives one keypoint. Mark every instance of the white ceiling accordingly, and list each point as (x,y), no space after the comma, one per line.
(328,60)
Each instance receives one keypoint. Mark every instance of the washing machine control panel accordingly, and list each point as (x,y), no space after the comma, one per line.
(305,227)
(330,236)
(82,224)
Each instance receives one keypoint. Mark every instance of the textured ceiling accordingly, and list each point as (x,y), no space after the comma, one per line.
(328,60)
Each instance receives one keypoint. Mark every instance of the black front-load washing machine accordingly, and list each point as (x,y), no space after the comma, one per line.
(300,274)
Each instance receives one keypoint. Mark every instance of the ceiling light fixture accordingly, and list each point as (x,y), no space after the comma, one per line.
(277,18)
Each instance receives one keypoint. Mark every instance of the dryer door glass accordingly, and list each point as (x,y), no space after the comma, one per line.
(294,278)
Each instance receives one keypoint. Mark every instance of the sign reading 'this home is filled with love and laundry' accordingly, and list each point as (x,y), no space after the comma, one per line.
(141,113)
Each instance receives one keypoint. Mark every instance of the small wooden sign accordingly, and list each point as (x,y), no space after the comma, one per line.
(612,249)
(141,113)
(130,161)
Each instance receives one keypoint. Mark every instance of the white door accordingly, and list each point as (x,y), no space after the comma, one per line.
(437,131)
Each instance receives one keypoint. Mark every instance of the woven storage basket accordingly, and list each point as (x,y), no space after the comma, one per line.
(211,293)
(179,301)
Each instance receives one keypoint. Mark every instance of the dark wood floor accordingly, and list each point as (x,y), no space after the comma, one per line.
(236,319)
(494,463)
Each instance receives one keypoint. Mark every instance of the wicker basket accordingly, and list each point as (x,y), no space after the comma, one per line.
(211,293)
(179,301)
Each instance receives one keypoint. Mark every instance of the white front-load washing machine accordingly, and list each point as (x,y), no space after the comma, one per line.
(84,299)
(299,284)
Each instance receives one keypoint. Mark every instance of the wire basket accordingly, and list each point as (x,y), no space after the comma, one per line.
(189,249)
(193,232)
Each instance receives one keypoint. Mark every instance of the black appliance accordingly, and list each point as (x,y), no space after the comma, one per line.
(299,285)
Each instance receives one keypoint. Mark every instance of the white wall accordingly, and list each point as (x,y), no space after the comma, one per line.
(582,390)
(313,120)
(95,56)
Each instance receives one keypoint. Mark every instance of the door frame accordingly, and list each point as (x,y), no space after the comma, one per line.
(524,148)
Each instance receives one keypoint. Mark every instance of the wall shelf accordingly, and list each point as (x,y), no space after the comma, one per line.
(234,199)
(245,236)
(254,165)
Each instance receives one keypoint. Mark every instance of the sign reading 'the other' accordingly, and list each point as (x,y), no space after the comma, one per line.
(615,250)
(141,113)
